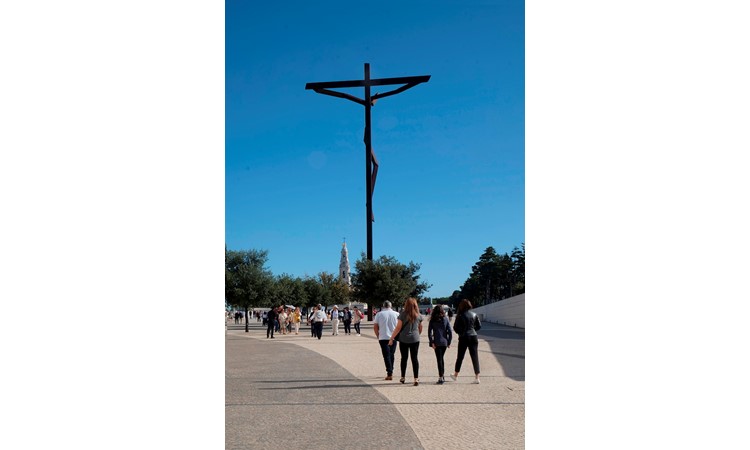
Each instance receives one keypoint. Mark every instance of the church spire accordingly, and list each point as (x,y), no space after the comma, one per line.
(344,265)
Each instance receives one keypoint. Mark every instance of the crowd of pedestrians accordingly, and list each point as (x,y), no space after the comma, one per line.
(390,327)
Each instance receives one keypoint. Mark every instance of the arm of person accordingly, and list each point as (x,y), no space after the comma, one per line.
(377,330)
(458,325)
(448,333)
(395,331)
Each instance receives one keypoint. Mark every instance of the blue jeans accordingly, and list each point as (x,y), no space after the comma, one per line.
(388,355)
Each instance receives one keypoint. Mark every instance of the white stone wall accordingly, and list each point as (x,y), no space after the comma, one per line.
(511,312)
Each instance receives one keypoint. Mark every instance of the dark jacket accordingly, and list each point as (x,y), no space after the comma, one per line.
(439,332)
(466,324)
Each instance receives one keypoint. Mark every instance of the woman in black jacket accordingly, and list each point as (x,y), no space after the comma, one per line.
(466,326)
(440,336)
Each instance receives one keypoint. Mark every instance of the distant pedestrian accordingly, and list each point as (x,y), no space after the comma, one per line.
(357,317)
(466,326)
(318,319)
(271,321)
(310,320)
(282,321)
(335,320)
(347,321)
(383,324)
(440,336)
(408,329)
(296,319)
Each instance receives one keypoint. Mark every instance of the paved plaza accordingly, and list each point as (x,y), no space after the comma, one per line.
(296,390)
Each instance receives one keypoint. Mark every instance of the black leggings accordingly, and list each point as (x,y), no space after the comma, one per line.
(439,354)
(470,342)
(356,327)
(405,349)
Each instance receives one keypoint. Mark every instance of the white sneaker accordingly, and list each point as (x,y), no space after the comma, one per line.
(476,380)
(453,377)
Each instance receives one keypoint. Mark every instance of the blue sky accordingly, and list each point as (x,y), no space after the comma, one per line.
(451,151)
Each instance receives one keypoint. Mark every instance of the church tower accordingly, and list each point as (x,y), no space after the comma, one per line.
(344,265)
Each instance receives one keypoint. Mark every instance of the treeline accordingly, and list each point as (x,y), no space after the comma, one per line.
(249,283)
(494,277)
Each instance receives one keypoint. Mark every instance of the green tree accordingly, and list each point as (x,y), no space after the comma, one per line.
(455,299)
(314,292)
(299,293)
(519,270)
(375,281)
(495,277)
(247,281)
(285,292)
(341,293)
(484,282)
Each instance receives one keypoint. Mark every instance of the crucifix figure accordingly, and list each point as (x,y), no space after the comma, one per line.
(368,102)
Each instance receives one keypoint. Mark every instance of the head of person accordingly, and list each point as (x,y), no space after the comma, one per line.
(437,313)
(346,308)
(356,307)
(319,306)
(464,306)
(411,308)
(386,304)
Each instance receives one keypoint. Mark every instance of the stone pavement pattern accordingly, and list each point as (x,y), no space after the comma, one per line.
(311,386)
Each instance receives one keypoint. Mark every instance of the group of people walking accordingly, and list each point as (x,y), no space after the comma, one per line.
(406,328)
(318,318)
(283,319)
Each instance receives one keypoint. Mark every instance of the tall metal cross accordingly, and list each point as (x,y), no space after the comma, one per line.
(368,102)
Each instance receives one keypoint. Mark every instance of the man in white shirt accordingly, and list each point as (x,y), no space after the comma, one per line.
(317,320)
(383,324)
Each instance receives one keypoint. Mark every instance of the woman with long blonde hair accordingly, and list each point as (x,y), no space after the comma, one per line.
(409,326)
